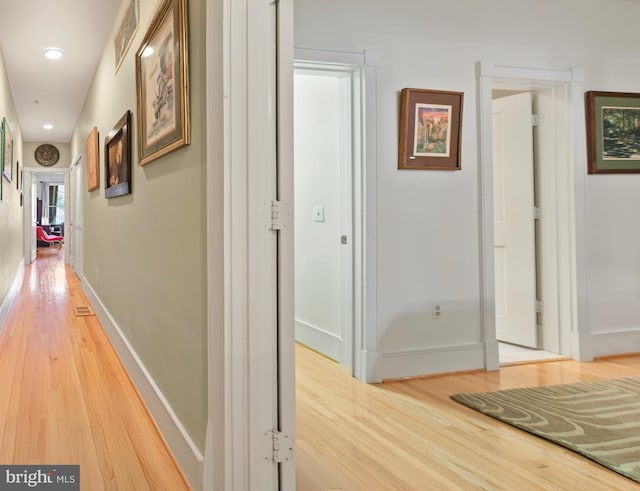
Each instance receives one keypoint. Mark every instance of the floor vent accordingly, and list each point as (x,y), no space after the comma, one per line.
(79,311)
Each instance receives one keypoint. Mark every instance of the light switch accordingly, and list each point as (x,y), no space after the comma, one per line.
(318,213)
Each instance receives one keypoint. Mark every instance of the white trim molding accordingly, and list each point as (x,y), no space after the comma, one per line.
(322,340)
(425,361)
(623,341)
(180,443)
(11,293)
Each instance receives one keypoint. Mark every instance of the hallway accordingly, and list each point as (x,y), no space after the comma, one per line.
(65,397)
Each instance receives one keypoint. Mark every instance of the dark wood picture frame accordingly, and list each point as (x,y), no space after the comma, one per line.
(92,155)
(162,83)
(430,129)
(19,176)
(613,132)
(117,156)
(7,150)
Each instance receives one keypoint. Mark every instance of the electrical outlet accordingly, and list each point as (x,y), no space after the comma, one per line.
(436,311)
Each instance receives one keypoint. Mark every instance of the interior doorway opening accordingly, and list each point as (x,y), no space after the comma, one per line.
(47,204)
(550,209)
(327,125)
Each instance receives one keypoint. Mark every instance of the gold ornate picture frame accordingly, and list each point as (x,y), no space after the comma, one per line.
(162,82)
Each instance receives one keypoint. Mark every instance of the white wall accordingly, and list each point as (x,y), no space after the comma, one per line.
(427,241)
(317,184)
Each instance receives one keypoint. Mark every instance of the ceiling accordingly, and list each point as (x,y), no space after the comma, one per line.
(53,91)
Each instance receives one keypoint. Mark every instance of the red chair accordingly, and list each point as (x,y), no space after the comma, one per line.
(43,236)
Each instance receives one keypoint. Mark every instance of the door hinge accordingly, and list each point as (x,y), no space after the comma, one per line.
(537,213)
(277,215)
(539,306)
(278,447)
(535,119)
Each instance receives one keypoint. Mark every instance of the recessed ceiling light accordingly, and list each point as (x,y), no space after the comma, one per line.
(148,51)
(53,53)
(47,126)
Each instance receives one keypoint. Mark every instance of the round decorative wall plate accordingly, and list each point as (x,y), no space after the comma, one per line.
(47,155)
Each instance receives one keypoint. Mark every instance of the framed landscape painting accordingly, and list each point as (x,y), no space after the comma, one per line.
(430,129)
(613,132)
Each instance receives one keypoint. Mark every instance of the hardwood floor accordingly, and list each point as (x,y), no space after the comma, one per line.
(408,435)
(65,397)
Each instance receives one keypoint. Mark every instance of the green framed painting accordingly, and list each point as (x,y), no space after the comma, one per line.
(613,132)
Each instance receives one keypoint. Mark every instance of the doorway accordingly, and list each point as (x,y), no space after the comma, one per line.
(47,204)
(325,127)
(520,154)
(552,197)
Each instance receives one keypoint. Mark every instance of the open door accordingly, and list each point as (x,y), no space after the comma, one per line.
(32,231)
(76,219)
(514,226)
(259,409)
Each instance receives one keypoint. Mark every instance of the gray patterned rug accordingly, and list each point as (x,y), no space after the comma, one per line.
(600,420)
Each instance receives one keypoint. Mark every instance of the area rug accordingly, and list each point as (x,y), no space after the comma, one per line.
(600,419)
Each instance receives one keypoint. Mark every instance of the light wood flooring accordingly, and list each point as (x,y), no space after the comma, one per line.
(65,397)
(408,435)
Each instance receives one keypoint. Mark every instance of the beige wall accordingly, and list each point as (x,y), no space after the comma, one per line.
(145,253)
(10,209)
(63,162)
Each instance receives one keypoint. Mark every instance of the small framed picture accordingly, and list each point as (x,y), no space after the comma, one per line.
(126,30)
(430,129)
(613,132)
(117,154)
(92,155)
(19,176)
(7,150)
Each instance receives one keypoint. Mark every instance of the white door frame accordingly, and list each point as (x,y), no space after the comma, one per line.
(365,315)
(29,202)
(257,54)
(350,93)
(569,213)
(75,210)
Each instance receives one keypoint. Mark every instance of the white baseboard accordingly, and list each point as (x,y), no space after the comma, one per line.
(372,361)
(412,363)
(11,294)
(582,346)
(616,342)
(318,339)
(492,355)
(182,446)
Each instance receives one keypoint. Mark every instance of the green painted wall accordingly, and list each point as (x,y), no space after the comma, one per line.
(11,227)
(145,253)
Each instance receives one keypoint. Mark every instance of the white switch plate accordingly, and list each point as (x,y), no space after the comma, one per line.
(318,213)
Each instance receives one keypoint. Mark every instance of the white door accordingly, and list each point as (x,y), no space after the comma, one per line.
(514,227)
(76,219)
(259,335)
(323,154)
(33,203)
